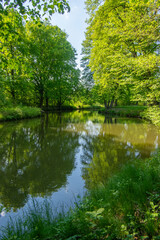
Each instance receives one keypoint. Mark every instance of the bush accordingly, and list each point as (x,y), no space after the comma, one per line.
(19,112)
(152,114)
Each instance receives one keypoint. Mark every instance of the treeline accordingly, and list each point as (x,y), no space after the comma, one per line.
(120,55)
(121,52)
(37,63)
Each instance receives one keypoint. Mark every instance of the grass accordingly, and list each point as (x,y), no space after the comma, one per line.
(125,111)
(126,207)
(85,106)
(19,112)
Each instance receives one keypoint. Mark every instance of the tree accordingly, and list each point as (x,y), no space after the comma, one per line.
(125,44)
(52,63)
(34,8)
(2,92)
(87,75)
(12,54)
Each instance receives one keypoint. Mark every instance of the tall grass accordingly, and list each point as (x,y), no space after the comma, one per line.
(126,207)
(19,112)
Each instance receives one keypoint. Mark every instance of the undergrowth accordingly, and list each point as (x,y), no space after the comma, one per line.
(19,112)
(152,114)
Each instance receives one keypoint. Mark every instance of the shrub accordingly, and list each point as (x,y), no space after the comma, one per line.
(152,114)
(19,112)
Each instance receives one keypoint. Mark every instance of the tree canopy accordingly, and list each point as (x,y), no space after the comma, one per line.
(124,48)
(37,62)
(34,7)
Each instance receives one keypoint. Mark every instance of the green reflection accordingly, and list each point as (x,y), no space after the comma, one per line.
(37,156)
(35,159)
(115,145)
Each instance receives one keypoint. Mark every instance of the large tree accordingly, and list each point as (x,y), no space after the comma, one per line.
(12,55)
(125,48)
(87,81)
(52,63)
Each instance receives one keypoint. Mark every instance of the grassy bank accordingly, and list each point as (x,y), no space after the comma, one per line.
(124,111)
(127,207)
(19,112)
(149,113)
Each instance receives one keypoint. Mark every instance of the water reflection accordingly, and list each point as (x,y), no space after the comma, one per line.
(112,145)
(35,159)
(38,157)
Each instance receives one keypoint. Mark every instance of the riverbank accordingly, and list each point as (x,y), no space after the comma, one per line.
(71,108)
(149,113)
(124,111)
(19,112)
(126,207)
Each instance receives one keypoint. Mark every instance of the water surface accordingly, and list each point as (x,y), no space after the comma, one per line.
(61,155)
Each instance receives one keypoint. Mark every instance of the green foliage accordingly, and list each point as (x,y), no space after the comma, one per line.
(152,114)
(16,113)
(126,207)
(35,8)
(123,40)
(52,63)
(37,63)
(2,92)
(12,59)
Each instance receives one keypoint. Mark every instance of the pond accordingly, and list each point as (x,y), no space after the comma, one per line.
(61,155)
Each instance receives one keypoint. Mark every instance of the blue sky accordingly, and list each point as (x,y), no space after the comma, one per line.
(73,23)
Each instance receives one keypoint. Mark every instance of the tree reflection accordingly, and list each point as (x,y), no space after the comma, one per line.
(35,159)
(108,156)
(37,156)
(114,145)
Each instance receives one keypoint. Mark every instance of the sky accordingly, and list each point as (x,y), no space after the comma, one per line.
(73,23)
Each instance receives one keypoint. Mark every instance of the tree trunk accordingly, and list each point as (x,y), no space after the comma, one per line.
(105,104)
(41,99)
(12,85)
(47,102)
(59,104)
(12,75)
(115,103)
(111,104)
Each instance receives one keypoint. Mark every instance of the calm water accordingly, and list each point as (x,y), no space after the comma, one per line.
(59,156)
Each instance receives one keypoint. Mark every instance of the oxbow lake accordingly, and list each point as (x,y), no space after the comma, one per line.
(61,155)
